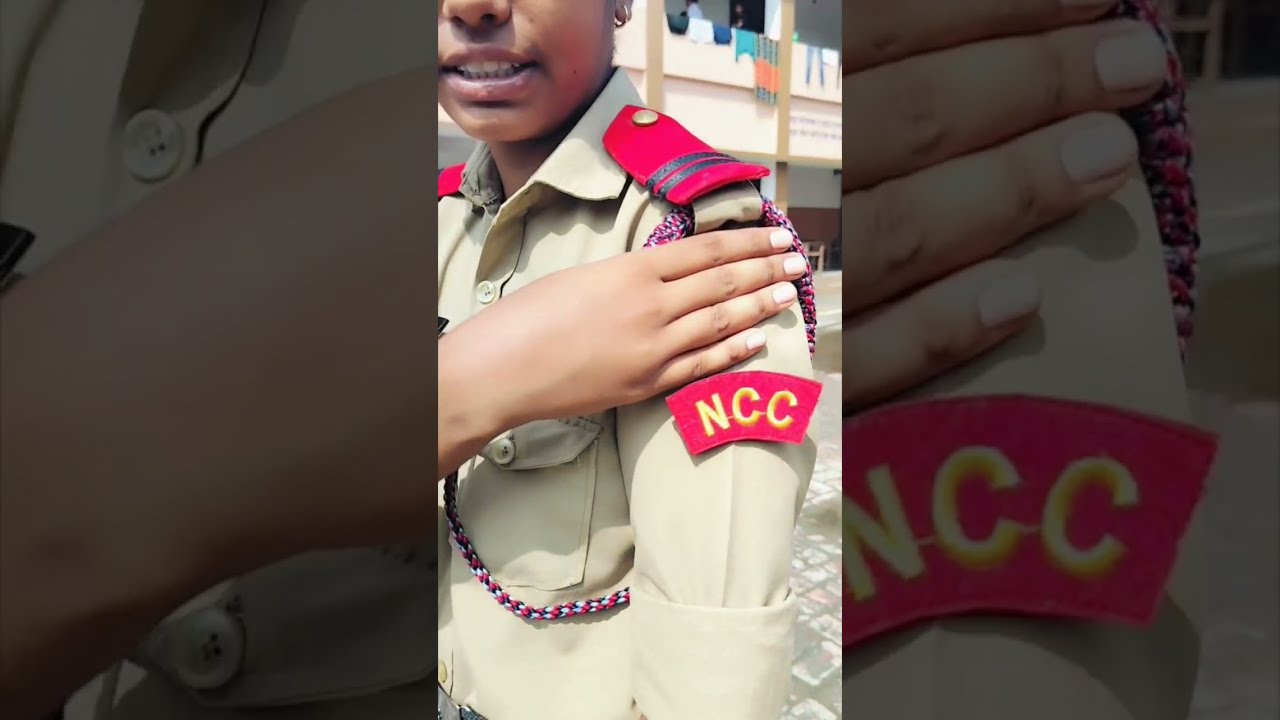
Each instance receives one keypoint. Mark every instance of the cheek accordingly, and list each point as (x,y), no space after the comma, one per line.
(581,63)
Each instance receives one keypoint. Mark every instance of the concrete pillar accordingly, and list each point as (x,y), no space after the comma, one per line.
(769,185)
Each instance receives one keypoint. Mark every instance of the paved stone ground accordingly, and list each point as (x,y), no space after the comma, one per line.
(816,574)
(815,684)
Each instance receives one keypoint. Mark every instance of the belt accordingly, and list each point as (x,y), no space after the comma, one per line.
(446,709)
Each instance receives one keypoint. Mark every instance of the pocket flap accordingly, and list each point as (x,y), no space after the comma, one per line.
(543,443)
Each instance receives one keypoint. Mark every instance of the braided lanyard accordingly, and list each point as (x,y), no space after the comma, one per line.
(514,606)
(678,224)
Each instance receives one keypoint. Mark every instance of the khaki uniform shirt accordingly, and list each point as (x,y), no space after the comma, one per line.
(101,104)
(577,508)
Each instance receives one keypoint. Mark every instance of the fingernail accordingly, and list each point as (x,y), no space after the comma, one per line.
(1010,298)
(780,239)
(1131,61)
(1099,151)
(784,294)
(795,265)
(756,340)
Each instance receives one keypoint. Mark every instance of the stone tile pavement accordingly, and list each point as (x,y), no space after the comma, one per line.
(816,573)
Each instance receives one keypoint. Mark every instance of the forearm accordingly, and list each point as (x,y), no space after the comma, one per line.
(84,579)
(471,402)
(230,373)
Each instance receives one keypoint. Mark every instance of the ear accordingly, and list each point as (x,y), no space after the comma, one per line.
(621,12)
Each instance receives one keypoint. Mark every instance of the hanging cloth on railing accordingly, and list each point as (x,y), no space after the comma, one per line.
(744,43)
(678,24)
(701,31)
(767,71)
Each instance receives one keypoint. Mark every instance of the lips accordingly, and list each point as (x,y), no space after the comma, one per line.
(490,82)
(488,69)
(488,75)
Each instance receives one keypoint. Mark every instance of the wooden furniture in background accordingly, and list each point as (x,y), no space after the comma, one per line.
(819,228)
(1208,24)
(817,252)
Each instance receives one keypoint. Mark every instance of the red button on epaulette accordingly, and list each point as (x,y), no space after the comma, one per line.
(669,161)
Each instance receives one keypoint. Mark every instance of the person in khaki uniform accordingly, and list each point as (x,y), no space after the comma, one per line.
(687,559)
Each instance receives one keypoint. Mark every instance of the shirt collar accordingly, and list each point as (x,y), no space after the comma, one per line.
(579,167)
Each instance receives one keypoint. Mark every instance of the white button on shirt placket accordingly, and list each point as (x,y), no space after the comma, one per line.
(153,145)
(486,292)
(205,649)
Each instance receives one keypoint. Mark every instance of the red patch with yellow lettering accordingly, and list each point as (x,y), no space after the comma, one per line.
(752,405)
(1015,505)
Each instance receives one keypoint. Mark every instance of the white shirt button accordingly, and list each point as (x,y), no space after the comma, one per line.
(503,451)
(486,292)
(205,648)
(152,145)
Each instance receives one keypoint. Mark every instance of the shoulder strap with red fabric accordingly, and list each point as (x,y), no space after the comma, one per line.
(670,161)
(448,181)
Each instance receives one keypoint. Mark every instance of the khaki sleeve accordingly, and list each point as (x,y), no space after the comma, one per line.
(712,614)
(1105,335)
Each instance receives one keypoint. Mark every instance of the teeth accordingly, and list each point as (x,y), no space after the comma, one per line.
(488,69)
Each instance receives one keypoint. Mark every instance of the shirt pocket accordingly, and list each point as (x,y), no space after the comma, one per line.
(526,505)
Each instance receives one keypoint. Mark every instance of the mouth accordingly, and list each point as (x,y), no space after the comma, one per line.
(490,82)
(489,69)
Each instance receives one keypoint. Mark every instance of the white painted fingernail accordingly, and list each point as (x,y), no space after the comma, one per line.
(784,294)
(1099,151)
(1010,298)
(795,265)
(1131,62)
(780,239)
(756,340)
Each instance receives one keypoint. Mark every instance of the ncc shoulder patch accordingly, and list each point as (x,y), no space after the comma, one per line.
(670,161)
(1014,505)
(448,181)
(752,405)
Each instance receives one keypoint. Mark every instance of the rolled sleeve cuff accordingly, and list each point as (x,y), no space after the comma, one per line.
(700,662)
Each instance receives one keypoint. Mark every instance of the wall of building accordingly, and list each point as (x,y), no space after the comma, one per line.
(817,21)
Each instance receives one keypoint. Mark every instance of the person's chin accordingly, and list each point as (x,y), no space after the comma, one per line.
(490,126)
(496,123)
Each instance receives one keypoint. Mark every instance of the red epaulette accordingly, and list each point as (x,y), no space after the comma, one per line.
(449,181)
(668,160)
